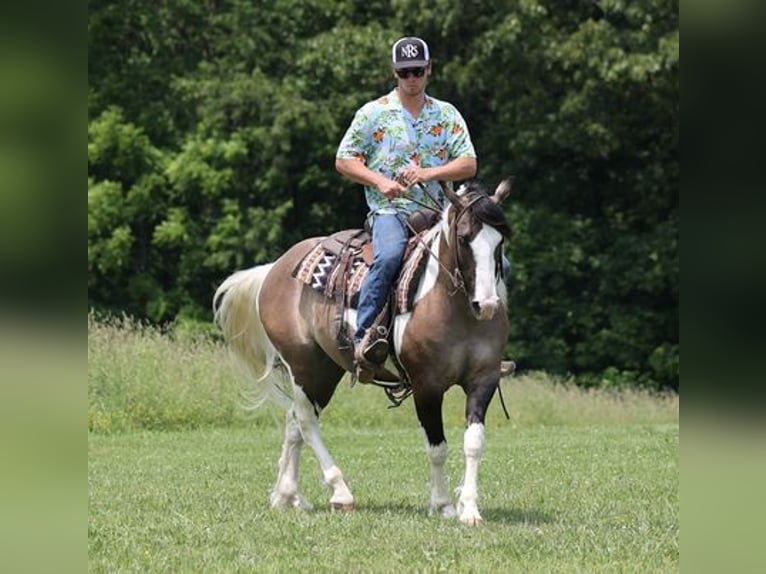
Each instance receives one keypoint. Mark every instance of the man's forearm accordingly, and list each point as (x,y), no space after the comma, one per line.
(356,171)
(458,169)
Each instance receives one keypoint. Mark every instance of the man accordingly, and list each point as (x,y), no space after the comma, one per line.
(401,139)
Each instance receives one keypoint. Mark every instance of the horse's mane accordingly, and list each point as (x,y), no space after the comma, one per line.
(486,210)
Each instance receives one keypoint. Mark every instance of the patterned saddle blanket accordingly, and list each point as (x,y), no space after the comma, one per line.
(338,272)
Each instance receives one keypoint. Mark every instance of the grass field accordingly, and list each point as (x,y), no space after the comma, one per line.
(179,475)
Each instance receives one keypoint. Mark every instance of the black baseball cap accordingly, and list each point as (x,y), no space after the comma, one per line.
(410,52)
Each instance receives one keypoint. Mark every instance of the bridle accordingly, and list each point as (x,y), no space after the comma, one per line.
(456,275)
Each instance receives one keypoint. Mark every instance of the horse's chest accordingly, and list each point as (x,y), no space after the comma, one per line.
(441,336)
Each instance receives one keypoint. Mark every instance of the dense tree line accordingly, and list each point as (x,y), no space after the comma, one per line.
(213,127)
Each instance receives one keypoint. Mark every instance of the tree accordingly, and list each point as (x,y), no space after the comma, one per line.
(213,129)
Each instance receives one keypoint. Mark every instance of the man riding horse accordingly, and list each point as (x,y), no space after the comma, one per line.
(399,147)
(285,332)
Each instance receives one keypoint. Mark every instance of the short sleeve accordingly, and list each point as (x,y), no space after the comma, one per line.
(355,142)
(459,142)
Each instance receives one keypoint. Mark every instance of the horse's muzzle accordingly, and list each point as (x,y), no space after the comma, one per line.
(486,309)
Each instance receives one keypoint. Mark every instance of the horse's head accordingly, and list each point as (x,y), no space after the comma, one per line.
(477,226)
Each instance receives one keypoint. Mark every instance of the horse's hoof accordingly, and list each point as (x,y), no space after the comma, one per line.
(301,503)
(446,511)
(342,506)
(471,520)
(279,502)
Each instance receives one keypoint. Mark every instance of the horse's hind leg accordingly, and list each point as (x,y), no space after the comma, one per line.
(286,493)
(307,417)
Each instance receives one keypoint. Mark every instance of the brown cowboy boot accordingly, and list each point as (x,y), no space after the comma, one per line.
(374,345)
(370,353)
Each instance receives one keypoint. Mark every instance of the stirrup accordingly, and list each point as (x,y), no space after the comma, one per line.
(507,368)
(364,370)
(362,374)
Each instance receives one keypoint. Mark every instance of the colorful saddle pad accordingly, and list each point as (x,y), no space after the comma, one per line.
(321,270)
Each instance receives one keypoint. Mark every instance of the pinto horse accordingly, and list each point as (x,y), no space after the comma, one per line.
(281,330)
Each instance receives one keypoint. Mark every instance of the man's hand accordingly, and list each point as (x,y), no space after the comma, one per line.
(414,174)
(391,189)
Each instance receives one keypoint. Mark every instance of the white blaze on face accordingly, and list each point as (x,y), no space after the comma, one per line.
(483,246)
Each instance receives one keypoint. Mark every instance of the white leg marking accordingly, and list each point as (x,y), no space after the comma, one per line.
(473,446)
(440,503)
(286,493)
(309,428)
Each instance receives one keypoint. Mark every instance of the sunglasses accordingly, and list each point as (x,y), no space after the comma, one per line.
(405,73)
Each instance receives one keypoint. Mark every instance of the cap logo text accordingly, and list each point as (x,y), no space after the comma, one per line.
(409,51)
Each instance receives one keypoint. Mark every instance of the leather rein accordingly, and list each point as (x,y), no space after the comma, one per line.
(456,275)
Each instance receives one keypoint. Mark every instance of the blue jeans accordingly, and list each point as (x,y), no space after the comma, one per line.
(389,240)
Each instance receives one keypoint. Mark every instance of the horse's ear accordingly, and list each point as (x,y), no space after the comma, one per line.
(449,194)
(503,190)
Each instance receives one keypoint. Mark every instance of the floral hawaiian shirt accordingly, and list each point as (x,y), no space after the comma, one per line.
(387,138)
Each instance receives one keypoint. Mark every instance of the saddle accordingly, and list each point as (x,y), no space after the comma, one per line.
(338,264)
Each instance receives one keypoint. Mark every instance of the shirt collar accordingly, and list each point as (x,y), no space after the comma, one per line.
(396,103)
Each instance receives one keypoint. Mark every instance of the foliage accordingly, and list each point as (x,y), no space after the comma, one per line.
(213,128)
(141,378)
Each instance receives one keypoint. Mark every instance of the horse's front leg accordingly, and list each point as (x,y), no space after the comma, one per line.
(477,401)
(473,446)
(308,422)
(429,409)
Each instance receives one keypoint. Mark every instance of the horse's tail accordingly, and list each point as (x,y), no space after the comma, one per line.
(235,305)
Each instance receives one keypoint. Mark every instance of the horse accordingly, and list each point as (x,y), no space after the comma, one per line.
(281,330)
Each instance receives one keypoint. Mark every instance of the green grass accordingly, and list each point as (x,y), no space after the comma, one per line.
(179,475)
(554,499)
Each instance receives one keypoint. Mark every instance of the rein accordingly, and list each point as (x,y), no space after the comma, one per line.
(455,275)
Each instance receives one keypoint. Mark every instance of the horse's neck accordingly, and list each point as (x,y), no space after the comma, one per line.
(446,258)
(439,268)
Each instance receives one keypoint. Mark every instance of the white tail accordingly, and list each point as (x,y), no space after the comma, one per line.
(236,313)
